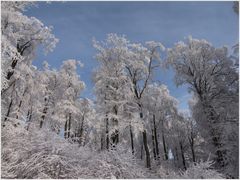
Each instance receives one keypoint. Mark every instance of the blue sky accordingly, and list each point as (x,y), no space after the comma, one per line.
(76,23)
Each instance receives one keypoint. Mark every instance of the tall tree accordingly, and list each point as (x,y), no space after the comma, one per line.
(112,87)
(212,77)
(21,37)
(140,64)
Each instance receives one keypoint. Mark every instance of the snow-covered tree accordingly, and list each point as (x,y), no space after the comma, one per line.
(132,65)
(212,77)
(21,36)
(140,63)
(160,106)
(112,87)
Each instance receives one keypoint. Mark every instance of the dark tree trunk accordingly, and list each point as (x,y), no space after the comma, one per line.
(9,109)
(13,65)
(214,133)
(176,151)
(148,160)
(176,159)
(191,141)
(164,143)
(145,144)
(141,156)
(153,145)
(193,154)
(65,129)
(156,137)
(41,123)
(81,132)
(75,135)
(107,135)
(20,104)
(29,118)
(164,147)
(102,141)
(183,157)
(43,116)
(44,112)
(219,153)
(131,137)
(115,135)
(69,124)
(45,109)
(9,106)
(115,138)
(20,50)
(29,115)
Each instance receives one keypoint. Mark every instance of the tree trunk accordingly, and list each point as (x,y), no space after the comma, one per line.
(148,160)
(20,50)
(141,156)
(176,159)
(176,153)
(191,141)
(217,143)
(13,65)
(131,137)
(9,109)
(102,141)
(193,154)
(219,159)
(114,138)
(45,109)
(65,129)
(164,146)
(156,137)
(9,106)
(215,133)
(29,117)
(43,116)
(81,132)
(153,145)
(69,124)
(183,157)
(164,143)
(20,104)
(107,135)
(145,143)
(115,135)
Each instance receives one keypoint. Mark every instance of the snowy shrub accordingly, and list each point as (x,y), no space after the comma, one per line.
(166,173)
(116,163)
(201,170)
(44,154)
(40,154)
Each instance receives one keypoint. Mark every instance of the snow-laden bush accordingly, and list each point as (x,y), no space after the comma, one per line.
(38,154)
(166,172)
(44,154)
(201,170)
(117,163)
